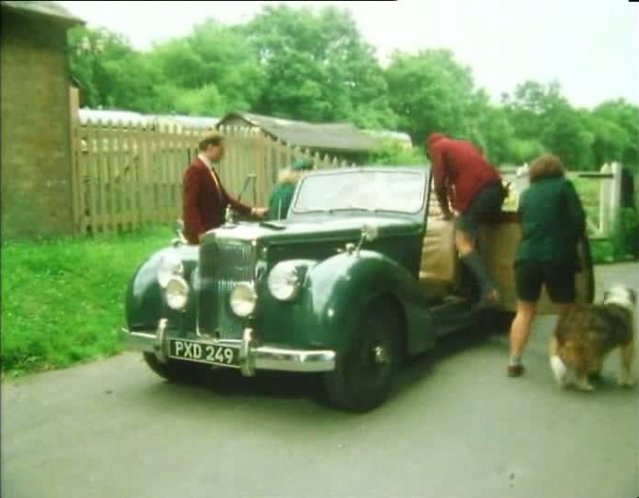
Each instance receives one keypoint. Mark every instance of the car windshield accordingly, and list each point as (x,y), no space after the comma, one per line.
(396,191)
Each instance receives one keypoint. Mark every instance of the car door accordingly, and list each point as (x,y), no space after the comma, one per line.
(498,241)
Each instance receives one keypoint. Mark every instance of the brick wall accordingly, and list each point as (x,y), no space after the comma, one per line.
(35,161)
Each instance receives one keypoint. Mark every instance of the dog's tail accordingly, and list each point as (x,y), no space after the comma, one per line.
(559,370)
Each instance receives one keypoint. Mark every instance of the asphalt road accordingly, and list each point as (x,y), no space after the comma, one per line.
(456,427)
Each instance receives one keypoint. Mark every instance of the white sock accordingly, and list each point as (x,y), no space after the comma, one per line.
(559,370)
(514,361)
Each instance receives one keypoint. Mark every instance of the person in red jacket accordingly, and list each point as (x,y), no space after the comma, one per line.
(204,199)
(465,182)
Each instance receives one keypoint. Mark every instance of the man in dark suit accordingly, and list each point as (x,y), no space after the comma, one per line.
(204,199)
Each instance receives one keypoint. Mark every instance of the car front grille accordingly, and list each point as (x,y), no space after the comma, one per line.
(223,264)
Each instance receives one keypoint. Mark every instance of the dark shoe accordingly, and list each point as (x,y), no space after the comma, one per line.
(489,300)
(515,370)
(595,377)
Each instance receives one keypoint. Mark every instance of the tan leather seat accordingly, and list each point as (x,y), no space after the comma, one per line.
(438,266)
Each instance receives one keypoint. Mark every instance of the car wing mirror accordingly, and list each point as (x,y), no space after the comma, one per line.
(178,227)
(370,232)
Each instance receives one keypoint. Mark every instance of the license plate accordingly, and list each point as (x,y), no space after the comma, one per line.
(204,353)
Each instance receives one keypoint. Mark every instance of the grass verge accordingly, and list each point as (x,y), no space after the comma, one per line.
(63,300)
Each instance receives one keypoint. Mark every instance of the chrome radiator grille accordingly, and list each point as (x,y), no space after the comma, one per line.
(223,264)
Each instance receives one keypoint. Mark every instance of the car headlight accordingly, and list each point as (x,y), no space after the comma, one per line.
(243,299)
(177,293)
(170,266)
(284,281)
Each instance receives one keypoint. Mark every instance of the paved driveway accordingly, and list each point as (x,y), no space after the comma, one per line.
(457,427)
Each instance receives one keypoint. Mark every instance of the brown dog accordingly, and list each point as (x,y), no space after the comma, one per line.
(585,334)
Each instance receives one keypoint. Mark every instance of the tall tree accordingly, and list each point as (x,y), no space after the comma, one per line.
(566,136)
(531,107)
(626,116)
(488,126)
(110,73)
(317,67)
(610,140)
(430,91)
(539,112)
(213,68)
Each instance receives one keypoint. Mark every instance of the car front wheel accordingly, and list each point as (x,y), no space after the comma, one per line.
(365,371)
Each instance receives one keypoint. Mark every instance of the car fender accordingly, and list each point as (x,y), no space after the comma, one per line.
(144,302)
(338,290)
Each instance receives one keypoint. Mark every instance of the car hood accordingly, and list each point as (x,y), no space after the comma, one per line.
(311,231)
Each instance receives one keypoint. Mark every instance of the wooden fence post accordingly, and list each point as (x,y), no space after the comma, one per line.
(261,176)
(615,194)
(605,191)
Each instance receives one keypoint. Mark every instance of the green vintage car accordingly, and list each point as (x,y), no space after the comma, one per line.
(360,275)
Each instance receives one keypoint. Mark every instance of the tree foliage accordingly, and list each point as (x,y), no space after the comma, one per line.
(625,116)
(314,65)
(429,91)
(109,72)
(392,153)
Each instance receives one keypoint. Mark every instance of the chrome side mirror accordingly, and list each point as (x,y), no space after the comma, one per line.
(370,232)
(229,216)
(178,227)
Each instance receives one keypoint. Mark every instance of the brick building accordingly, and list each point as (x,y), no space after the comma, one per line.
(35,163)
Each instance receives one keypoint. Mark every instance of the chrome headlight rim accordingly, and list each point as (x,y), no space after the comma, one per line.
(176,293)
(243,299)
(170,266)
(284,281)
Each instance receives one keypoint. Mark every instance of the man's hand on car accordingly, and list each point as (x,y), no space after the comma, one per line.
(259,212)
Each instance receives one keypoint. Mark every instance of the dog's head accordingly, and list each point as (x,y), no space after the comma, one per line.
(621,296)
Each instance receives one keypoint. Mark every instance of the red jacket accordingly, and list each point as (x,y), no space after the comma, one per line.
(458,164)
(204,201)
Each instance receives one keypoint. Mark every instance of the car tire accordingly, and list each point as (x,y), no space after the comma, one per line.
(173,370)
(365,371)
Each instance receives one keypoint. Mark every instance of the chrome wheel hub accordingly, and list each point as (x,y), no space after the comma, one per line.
(380,355)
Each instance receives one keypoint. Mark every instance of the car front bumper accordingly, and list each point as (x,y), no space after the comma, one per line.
(252,356)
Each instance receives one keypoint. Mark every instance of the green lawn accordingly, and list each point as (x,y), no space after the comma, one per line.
(62,301)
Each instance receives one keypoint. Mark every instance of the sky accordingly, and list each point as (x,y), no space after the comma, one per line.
(591,47)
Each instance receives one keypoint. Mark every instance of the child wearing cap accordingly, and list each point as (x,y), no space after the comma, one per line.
(282,194)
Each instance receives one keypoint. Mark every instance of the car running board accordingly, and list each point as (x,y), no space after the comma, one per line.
(451,315)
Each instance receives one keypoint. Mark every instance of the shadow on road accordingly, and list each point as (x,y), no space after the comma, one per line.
(225,384)
(418,368)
